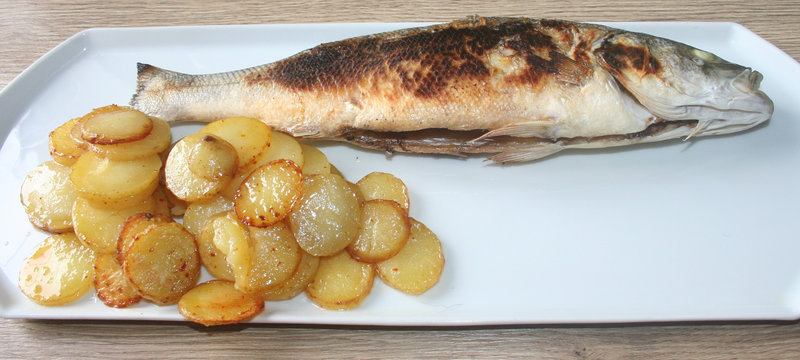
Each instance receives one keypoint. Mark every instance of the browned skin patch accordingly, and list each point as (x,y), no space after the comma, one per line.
(634,58)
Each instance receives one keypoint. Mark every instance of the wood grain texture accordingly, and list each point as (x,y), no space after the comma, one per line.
(29,29)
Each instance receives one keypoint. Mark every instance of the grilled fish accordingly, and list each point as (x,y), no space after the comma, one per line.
(518,89)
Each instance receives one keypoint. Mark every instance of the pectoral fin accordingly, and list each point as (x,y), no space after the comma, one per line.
(535,128)
(527,153)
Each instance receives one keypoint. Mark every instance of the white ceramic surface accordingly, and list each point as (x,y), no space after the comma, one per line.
(698,230)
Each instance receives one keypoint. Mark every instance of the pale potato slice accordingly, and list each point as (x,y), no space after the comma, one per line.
(315,161)
(115,183)
(197,213)
(64,148)
(296,284)
(185,184)
(99,227)
(167,204)
(47,196)
(328,217)
(136,225)
(380,185)
(217,302)
(385,229)
(418,266)
(341,282)
(212,258)
(58,272)
(232,239)
(250,137)
(212,158)
(162,263)
(155,142)
(114,125)
(269,194)
(113,288)
(275,257)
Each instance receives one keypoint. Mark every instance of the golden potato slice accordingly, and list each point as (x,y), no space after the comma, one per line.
(179,178)
(315,161)
(212,257)
(269,194)
(341,282)
(296,284)
(162,263)
(328,217)
(212,158)
(58,272)
(114,125)
(155,142)
(197,213)
(418,266)
(167,204)
(282,147)
(217,302)
(98,227)
(232,239)
(250,137)
(113,288)
(380,185)
(64,148)
(385,229)
(115,183)
(134,226)
(47,196)
(275,257)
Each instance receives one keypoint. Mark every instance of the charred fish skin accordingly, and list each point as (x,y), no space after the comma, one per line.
(516,87)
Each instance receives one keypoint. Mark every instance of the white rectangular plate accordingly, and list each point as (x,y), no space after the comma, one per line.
(698,230)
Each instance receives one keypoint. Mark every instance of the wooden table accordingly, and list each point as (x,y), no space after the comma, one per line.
(30,28)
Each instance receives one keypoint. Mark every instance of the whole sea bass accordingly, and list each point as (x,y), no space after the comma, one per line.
(518,88)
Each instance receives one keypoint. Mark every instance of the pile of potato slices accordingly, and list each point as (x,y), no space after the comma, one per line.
(137,217)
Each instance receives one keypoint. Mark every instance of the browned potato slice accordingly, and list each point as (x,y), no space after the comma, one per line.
(155,142)
(328,217)
(212,158)
(182,181)
(298,282)
(384,231)
(315,161)
(98,227)
(275,257)
(232,239)
(115,183)
(198,212)
(58,272)
(135,226)
(217,302)
(64,148)
(47,196)
(282,147)
(162,263)
(269,193)
(250,137)
(114,124)
(113,288)
(380,185)
(341,282)
(418,266)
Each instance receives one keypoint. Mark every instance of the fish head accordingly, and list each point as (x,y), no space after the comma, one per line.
(675,81)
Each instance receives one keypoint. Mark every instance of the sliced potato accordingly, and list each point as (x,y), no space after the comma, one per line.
(113,288)
(328,217)
(167,204)
(98,227)
(269,194)
(197,213)
(418,266)
(250,137)
(275,257)
(135,226)
(64,148)
(380,185)
(217,302)
(114,125)
(296,284)
(182,181)
(341,282)
(115,183)
(212,158)
(282,147)
(58,272)
(385,229)
(315,161)
(47,196)
(162,263)
(155,142)
(212,257)
(232,239)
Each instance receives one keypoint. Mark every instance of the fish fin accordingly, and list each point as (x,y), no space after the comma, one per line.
(527,153)
(535,128)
